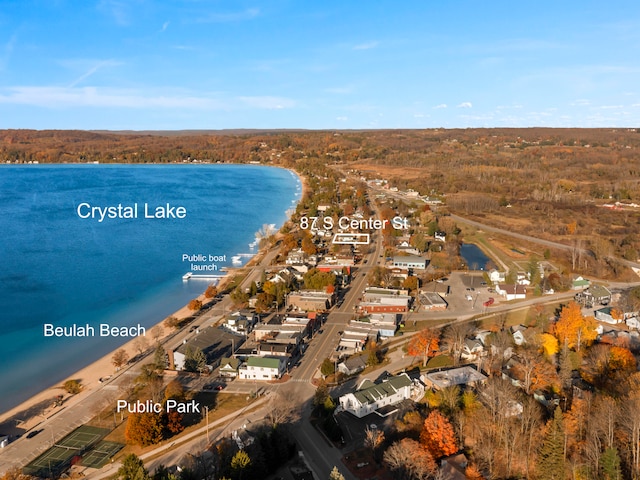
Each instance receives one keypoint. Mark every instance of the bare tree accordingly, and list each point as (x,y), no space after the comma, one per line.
(280,409)
(140,344)
(454,336)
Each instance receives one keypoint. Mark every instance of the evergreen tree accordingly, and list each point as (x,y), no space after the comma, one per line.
(194,360)
(551,463)
(611,464)
(133,469)
(159,358)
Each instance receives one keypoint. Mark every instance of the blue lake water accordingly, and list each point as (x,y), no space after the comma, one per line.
(474,257)
(58,268)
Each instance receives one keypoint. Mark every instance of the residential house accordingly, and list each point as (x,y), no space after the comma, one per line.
(371,397)
(580,283)
(472,349)
(296,257)
(263,368)
(353,365)
(605,315)
(519,333)
(241,322)
(497,277)
(229,367)
(440,236)
(512,292)
(465,375)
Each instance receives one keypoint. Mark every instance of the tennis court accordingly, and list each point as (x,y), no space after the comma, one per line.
(53,461)
(101,454)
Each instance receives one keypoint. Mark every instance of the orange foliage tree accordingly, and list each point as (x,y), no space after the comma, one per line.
(144,429)
(573,328)
(424,343)
(437,435)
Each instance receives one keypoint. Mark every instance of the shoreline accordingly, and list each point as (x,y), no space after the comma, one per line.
(34,410)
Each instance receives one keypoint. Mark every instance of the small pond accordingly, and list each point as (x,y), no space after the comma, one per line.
(474,257)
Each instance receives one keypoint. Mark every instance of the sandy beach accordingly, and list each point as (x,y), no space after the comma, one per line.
(36,409)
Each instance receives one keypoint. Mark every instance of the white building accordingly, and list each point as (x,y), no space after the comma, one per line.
(263,368)
(369,397)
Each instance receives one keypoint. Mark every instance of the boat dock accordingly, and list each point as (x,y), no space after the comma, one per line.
(195,276)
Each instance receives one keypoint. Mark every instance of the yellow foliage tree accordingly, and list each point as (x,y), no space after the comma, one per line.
(573,328)
(549,344)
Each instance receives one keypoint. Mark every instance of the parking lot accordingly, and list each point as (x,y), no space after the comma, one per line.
(467,293)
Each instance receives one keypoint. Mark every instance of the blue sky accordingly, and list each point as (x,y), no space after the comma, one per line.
(205,64)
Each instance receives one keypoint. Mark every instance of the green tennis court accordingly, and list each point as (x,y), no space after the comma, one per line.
(101,454)
(54,461)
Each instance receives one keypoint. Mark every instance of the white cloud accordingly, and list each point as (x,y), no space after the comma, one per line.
(418,115)
(339,90)
(442,105)
(8,51)
(465,105)
(165,25)
(55,97)
(342,119)
(366,46)
(611,107)
(581,102)
(120,10)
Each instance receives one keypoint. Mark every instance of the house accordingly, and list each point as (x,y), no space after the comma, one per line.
(370,397)
(440,236)
(600,294)
(241,322)
(522,278)
(519,333)
(414,262)
(608,315)
(497,277)
(296,257)
(580,283)
(353,365)
(262,368)
(453,467)
(466,375)
(512,292)
(229,367)
(472,348)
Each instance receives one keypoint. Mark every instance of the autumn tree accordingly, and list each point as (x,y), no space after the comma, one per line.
(240,463)
(424,344)
(437,435)
(454,337)
(172,322)
(194,304)
(119,358)
(144,429)
(335,474)
(373,439)
(211,291)
(573,328)
(409,460)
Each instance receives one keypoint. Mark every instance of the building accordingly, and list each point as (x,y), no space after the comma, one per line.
(607,315)
(413,262)
(370,397)
(215,343)
(385,300)
(512,292)
(229,367)
(309,300)
(262,368)
(466,375)
(432,301)
(353,365)
(241,322)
